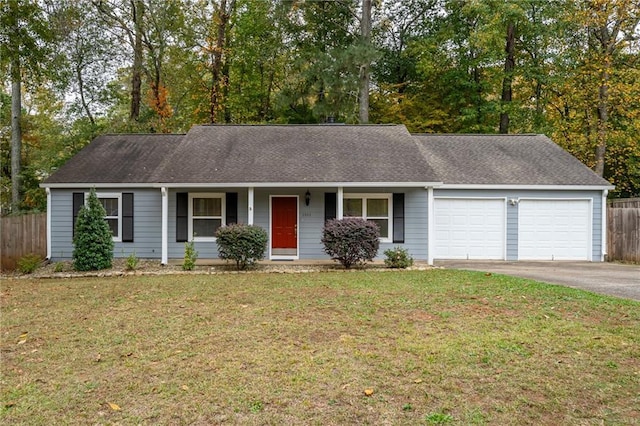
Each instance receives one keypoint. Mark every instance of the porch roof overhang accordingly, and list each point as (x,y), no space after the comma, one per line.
(118,185)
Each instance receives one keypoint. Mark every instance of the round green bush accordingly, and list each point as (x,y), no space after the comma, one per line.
(397,257)
(244,244)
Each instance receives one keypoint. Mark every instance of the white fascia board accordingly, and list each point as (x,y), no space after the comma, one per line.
(531,187)
(301,185)
(242,185)
(99,185)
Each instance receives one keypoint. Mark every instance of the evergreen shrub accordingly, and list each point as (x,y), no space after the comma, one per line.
(27,264)
(190,256)
(244,244)
(92,241)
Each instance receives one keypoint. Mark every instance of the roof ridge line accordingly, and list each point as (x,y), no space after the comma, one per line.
(478,134)
(141,134)
(296,125)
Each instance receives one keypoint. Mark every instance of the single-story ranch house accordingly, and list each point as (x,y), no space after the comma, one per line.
(510,197)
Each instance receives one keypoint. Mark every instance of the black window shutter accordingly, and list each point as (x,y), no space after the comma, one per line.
(78,202)
(127,217)
(330,205)
(232,208)
(398,217)
(182,216)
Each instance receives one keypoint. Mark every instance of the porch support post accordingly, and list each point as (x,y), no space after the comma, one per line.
(165,226)
(48,190)
(604,243)
(250,206)
(339,204)
(430,217)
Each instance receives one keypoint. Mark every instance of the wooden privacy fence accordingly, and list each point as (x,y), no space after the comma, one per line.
(22,235)
(625,202)
(623,233)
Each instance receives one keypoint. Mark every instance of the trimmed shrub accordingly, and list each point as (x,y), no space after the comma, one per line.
(244,244)
(27,264)
(351,241)
(397,257)
(190,256)
(92,242)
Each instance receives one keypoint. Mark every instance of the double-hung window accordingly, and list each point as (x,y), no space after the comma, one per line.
(112,204)
(372,207)
(206,215)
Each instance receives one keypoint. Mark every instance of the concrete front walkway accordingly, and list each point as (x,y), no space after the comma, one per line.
(612,279)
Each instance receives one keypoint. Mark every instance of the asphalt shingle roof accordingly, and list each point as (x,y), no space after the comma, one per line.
(296,153)
(220,154)
(117,159)
(503,160)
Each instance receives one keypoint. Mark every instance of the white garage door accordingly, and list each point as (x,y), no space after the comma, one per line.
(469,229)
(554,230)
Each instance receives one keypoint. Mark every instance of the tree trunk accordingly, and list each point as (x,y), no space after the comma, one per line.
(365,73)
(85,106)
(477,81)
(603,119)
(16,133)
(217,70)
(137,9)
(539,117)
(507,80)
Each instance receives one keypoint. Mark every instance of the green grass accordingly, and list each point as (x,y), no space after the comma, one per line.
(436,347)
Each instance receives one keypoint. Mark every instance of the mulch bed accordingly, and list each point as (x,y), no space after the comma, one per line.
(64,269)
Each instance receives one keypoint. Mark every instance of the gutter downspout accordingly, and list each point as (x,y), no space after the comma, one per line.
(165,226)
(48,190)
(605,249)
(430,216)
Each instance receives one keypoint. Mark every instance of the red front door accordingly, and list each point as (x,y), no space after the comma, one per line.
(284,225)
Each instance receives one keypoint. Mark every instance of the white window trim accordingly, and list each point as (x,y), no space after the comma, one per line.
(193,195)
(118,195)
(366,195)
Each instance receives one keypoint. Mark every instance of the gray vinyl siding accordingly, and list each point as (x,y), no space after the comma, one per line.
(147,221)
(415,221)
(415,215)
(512,211)
(311,218)
(206,250)
(61,228)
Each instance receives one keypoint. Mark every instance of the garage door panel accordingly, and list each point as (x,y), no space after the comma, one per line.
(469,229)
(554,229)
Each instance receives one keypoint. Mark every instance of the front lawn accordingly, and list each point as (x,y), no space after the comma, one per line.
(420,347)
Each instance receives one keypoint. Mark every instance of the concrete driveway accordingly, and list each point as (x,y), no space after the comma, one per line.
(612,279)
